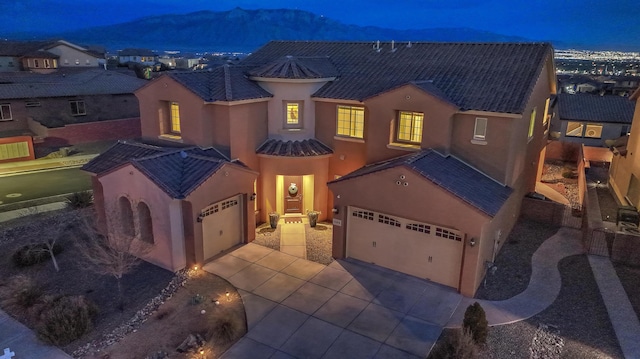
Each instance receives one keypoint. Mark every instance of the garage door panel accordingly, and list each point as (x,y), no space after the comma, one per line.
(419,249)
(221,226)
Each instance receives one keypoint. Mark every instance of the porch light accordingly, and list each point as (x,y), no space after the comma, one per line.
(195,267)
(335,210)
(472,242)
(228,298)
(252,197)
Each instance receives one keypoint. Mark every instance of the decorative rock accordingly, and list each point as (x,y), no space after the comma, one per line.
(203,311)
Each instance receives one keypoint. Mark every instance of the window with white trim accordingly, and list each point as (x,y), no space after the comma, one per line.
(350,121)
(409,129)
(480,129)
(77,108)
(5,112)
(293,115)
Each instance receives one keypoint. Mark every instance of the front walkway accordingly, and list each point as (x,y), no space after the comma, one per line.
(348,309)
(292,236)
(18,341)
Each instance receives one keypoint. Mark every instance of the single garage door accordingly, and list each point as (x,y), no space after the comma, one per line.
(420,249)
(221,226)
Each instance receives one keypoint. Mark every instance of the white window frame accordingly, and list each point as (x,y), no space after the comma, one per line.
(4,108)
(78,110)
(480,129)
(415,116)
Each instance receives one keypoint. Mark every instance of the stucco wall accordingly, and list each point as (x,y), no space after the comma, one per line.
(8,63)
(610,131)
(19,116)
(128,181)
(623,166)
(291,91)
(417,201)
(70,57)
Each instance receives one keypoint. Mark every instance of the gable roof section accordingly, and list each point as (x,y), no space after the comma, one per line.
(20,48)
(118,154)
(449,173)
(496,77)
(178,173)
(595,108)
(305,148)
(291,67)
(67,83)
(223,83)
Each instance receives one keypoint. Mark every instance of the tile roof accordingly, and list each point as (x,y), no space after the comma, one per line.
(177,171)
(497,77)
(595,108)
(291,67)
(223,83)
(120,153)
(305,148)
(62,84)
(449,173)
(19,48)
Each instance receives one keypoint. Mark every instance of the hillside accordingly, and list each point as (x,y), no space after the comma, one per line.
(246,30)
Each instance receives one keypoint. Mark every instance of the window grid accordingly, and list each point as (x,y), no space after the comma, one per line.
(5,112)
(350,121)
(77,108)
(388,220)
(410,127)
(229,203)
(363,214)
(422,228)
(211,210)
(293,113)
(441,232)
(175,117)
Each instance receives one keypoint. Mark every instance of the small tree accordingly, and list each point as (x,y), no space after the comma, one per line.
(33,252)
(475,320)
(114,253)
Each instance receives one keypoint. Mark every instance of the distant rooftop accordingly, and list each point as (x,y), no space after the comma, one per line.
(595,108)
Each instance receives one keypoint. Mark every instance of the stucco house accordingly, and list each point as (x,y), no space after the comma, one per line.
(46,56)
(140,56)
(624,172)
(420,153)
(591,119)
(64,108)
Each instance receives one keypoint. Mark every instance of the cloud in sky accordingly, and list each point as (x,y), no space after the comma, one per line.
(586,21)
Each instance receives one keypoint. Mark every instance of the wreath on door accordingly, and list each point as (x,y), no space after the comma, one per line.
(293,190)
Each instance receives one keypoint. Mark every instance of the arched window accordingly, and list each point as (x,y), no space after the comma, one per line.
(146,226)
(126,225)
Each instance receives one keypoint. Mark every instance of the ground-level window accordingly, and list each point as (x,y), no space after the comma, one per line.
(5,112)
(574,129)
(350,121)
(581,129)
(77,108)
(593,131)
(410,127)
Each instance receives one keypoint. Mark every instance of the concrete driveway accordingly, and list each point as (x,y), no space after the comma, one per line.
(349,309)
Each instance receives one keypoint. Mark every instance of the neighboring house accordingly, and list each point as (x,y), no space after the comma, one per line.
(45,56)
(624,172)
(427,149)
(65,108)
(140,56)
(591,119)
(625,85)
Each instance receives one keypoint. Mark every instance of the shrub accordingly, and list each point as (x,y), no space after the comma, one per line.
(224,328)
(65,320)
(475,320)
(456,345)
(21,292)
(32,254)
(80,199)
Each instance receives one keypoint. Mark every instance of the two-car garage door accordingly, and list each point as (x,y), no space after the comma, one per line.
(420,249)
(221,226)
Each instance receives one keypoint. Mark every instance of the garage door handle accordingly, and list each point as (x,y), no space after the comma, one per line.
(430,259)
(374,244)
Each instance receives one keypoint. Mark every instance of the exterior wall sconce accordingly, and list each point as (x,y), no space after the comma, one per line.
(200,217)
(472,242)
(335,210)
(252,197)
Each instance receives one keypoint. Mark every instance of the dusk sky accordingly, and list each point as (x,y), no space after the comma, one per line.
(587,22)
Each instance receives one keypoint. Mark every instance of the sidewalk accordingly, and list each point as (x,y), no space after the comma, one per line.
(21,341)
(13,168)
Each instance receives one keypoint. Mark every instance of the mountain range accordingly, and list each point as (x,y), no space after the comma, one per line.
(241,30)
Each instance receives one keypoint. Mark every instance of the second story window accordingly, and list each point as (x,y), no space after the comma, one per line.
(350,121)
(5,112)
(480,129)
(293,115)
(174,117)
(410,127)
(77,108)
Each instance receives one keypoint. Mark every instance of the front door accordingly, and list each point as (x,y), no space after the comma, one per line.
(292,194)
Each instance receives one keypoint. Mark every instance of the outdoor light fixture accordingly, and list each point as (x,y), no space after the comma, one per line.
(195,267)
(217,302)
(228,298)
(200,217)
(252,197)
(335,210)
(472,242)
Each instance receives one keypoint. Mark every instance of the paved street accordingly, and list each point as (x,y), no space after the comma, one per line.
(28,186)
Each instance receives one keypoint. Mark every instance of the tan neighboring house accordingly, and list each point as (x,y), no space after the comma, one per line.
(624,173)
(46,56)
(420,153)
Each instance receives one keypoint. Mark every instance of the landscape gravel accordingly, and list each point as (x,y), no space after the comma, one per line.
(319,239)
